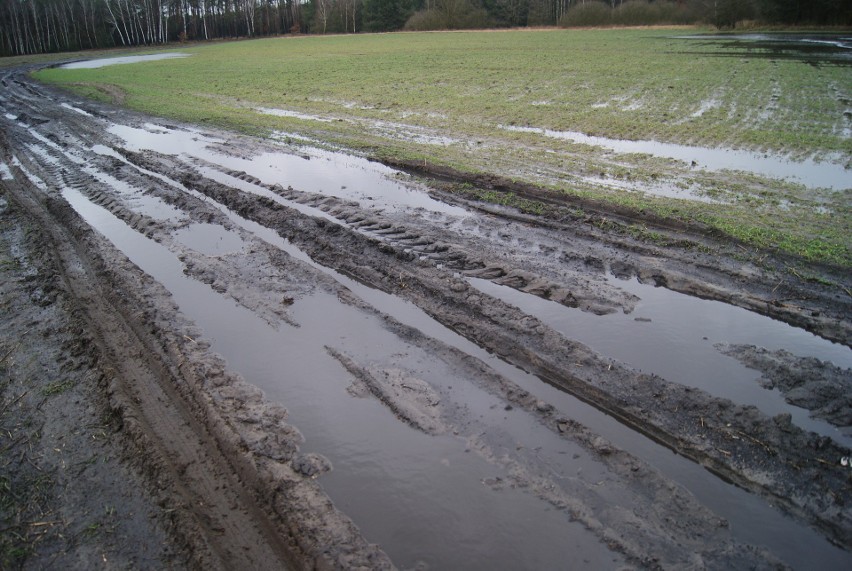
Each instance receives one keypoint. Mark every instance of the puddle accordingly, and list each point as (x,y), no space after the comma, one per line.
(156,209)
(136,199)
(678,342)
(655,188)
(47,142)
(369,183)
(392,477)
(394,518)
(43,154)
(76,109)
(108,152)
(210,239)
(39,183)
(410,133)
(706,105)
(807,172)
(287,138)
(292,114)
(97,63)
(677,313)
(163,140)
(421,497)
(808,48)
(250,188)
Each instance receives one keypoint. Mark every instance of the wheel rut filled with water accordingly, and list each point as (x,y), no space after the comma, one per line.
(358,369)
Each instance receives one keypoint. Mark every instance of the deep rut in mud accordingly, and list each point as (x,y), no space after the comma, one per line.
(360,371)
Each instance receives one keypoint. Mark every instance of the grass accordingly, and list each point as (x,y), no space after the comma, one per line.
(630,84)
(56,387)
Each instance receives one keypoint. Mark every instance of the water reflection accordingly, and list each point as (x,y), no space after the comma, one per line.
(673,335)
(372,185)
(814,49)
(103,62)
(808,172)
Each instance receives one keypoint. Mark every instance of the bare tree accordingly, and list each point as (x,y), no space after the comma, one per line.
(323,10)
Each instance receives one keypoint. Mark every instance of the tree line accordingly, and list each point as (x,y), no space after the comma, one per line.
(40,26)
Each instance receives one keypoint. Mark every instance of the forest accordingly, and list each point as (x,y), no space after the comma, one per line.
(42,26)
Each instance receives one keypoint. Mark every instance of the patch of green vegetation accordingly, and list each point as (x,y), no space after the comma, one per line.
(466,87)
(91,530)
(56,387)
(513,200)
(616,83)
(92,91)
(642,233)
(828,246)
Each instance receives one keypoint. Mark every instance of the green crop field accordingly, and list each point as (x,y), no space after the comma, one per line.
(448,98)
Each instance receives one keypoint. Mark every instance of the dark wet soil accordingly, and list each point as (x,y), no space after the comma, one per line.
(74,492)
(818,386)
(153,252)
(813,49)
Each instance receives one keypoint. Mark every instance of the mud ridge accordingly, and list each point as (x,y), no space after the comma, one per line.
(331,539)
(412,360)
(634,532)
(773,290)
(792,467)
(820,387)
(680,263)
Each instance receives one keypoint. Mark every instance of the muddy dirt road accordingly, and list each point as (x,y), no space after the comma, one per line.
(305,359)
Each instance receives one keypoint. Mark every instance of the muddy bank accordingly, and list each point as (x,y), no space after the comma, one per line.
(820,387)
(225,461)
(372,372)
(60,438)
(700,261)
(767,455)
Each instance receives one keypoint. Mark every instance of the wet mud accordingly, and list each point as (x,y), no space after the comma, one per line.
(814,49)
(60,439)
(807,382)
(340,393)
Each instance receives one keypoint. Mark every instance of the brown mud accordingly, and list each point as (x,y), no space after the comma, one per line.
(739,443)
(700,261)
(226,483)
(60,436)
(820,387)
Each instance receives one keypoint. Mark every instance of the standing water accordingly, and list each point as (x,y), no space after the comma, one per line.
(674,335)
(350,432)
(407,490)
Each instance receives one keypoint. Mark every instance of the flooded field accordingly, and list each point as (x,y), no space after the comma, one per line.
(122,60)
(397,376)
(812,174)
(814,49)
